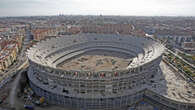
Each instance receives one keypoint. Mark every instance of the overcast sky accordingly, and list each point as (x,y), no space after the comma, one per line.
(97,7)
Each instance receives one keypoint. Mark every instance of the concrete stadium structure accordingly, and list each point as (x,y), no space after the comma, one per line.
(102,89)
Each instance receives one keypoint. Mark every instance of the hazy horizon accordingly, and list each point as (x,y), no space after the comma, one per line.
(97,7)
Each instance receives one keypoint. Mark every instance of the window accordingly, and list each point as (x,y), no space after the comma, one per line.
(65,91)
(74,41)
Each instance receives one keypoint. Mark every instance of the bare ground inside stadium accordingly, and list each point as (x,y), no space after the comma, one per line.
(98,60)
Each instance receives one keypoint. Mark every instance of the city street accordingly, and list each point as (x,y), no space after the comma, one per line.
(15,70)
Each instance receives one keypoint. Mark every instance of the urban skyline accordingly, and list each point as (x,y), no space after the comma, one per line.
(97,7)
(97,55)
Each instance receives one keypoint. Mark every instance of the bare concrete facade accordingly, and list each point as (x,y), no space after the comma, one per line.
(111,89)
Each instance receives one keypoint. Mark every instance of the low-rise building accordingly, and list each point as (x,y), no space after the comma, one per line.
(42,33)
(107,28)
(8,54)
(178,36)
(188,46)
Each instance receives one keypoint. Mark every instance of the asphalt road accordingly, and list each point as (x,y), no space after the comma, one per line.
(16,69)
(13,90)
(21,60)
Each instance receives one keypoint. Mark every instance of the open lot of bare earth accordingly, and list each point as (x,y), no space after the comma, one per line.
(97,60)
(170,84)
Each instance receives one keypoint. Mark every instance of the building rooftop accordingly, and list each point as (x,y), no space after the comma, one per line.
(7,49)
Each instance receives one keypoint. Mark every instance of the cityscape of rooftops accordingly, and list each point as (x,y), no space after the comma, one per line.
(97,55)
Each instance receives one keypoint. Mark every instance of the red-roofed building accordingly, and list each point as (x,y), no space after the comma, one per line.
(39,34)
